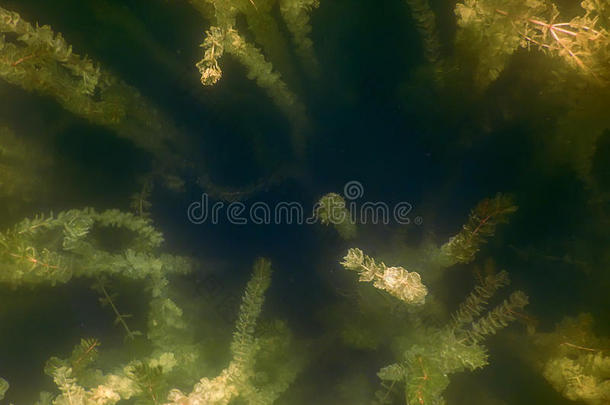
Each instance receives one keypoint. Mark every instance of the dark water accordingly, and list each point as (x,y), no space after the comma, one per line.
(376,119)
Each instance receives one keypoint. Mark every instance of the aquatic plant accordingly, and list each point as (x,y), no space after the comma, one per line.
(481,224)
(428,346)
(224,37)
(238,379)
(83,355)
(147,379)
(109,300)
(426,262)
(140,201)
(437,353)
(569,57)
(138,379)
(42,45)
(474,304)
(70,250)
(53,249)
(425,22)
(4,386)
(495,29)
(427,351)
(296,16)
(332,210)
(581,378)
(37,59)
(574,360)
(573,78)
(402,284)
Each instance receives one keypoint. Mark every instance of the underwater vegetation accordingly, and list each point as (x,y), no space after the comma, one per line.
(28,258)
(39,60)
(224,37)
(436,351)
(332,210)
(578,363)
(357,312)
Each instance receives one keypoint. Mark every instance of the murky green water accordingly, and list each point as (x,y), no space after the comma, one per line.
(467,146)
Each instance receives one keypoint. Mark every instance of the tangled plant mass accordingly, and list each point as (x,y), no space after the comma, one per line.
(499,27)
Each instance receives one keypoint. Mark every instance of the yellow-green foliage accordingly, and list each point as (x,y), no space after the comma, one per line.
(223,37)
(495,29)
(146,379)
(42,61)
(40,46)
(585,378)
(54,249)
(428,354)
(296,15)
(433,354)
(474,304)
(464,321)
(97,388)
(490,36)
(140,201)
(481,224)
(402,284)
(107,300)
(426,367)
(242,346)
(332,210)
(575,361)
(574,76)
(4,386)
(431,260)
(239,378)
(499,317)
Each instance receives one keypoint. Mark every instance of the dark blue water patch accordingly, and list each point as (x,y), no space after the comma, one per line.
(102,167)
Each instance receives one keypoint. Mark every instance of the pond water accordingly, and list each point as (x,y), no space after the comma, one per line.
(460,141)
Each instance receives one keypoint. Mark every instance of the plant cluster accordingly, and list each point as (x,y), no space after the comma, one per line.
(332,210)
(224,37)
(568,61)
(239,378)
(428,345)
(72,252)
(37,59)
(575,361)
(438,352)
(497,28)
(402,284)
(53,249)
(428,352)
(481,224)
